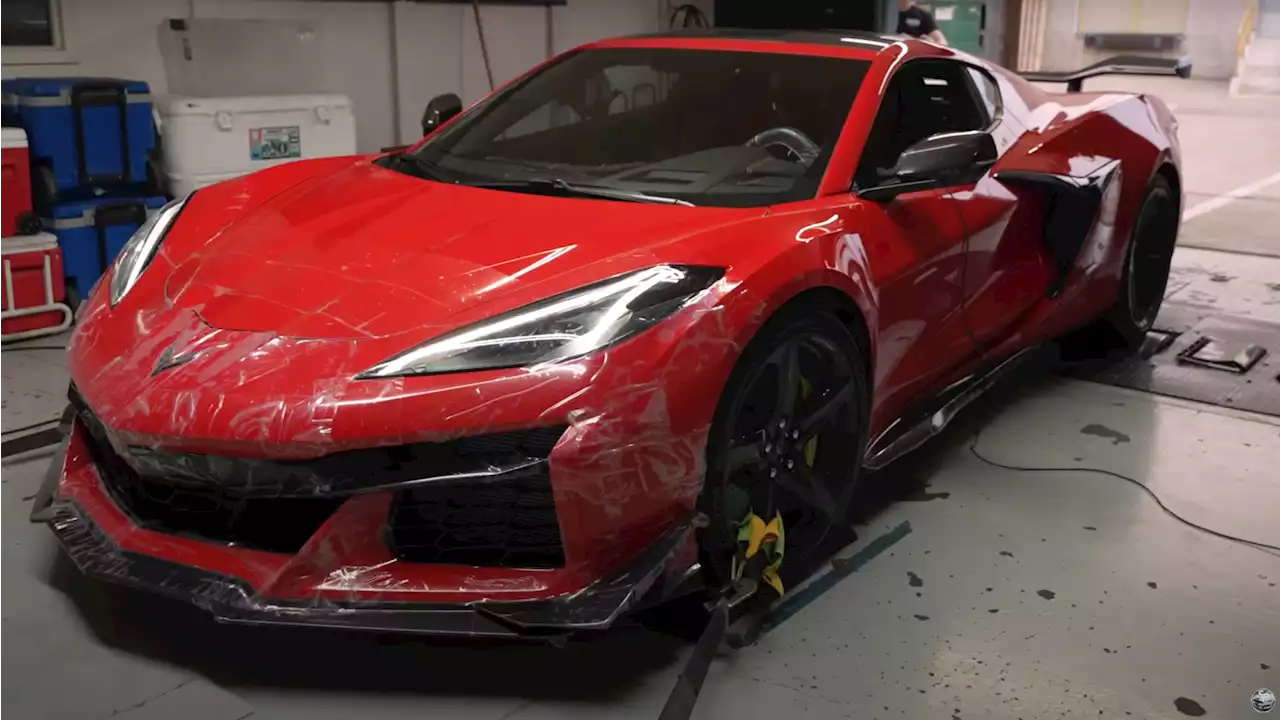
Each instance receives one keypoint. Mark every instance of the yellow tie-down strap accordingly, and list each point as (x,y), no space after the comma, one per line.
(767,538)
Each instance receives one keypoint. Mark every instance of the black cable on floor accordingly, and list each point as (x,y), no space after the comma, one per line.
(973,448)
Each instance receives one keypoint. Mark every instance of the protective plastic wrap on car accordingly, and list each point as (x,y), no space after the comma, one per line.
(512,506)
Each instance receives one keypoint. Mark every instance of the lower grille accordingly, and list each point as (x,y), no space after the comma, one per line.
(508,522)
(206,512)
(273,524)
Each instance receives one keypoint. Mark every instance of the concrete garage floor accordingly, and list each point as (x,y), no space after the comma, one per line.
(973,591)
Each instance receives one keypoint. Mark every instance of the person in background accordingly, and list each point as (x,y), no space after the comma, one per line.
(917,22)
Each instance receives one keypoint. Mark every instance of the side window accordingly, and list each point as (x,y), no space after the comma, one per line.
(924,97)
(988,92)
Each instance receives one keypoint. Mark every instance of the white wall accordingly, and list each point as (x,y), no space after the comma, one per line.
(1210,37)
(1212,32)
(115,39)
(438,50)
(356,38)
(993,41)
(390,57)
(1062,48)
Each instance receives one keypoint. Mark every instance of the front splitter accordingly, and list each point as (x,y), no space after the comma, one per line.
(651,576)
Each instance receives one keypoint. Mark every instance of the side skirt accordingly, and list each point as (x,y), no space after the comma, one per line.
(911,430)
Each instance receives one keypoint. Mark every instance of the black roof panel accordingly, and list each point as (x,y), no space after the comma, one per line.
(808,37)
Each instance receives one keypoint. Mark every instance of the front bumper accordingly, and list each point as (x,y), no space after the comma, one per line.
(254,419)
(103,543)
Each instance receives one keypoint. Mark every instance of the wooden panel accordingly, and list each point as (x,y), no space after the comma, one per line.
(1011,40)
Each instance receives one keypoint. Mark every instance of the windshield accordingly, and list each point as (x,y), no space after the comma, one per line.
(703,127)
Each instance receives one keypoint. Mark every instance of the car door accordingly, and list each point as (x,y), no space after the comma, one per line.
(917,239)
(1006,269)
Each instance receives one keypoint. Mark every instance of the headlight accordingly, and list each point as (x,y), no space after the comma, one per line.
(558,328)
(141,248)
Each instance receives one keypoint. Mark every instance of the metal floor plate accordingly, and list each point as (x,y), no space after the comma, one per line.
(1179,330)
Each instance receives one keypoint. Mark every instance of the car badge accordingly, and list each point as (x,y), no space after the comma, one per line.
(171,358)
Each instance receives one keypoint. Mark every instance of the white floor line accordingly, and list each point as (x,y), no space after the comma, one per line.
(1221,201)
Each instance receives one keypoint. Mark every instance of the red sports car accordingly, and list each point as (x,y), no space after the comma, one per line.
(550,364)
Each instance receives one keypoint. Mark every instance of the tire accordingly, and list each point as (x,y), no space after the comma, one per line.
(1143,280)
(830,367)
(798,322)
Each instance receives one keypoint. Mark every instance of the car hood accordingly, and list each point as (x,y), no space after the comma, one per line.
(368,252)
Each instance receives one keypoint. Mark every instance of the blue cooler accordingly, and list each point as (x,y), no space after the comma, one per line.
(87,135)
(91,233)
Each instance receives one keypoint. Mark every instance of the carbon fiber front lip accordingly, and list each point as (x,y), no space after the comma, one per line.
(231,600)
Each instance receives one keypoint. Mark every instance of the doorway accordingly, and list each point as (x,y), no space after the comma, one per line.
(964,22)
(799,14)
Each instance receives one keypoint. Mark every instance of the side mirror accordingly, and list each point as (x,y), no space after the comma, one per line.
(937,161)
(439,110)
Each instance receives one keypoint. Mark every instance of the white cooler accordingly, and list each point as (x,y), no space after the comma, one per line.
(207,140)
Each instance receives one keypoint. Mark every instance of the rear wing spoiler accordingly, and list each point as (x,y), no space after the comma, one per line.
(1120,65)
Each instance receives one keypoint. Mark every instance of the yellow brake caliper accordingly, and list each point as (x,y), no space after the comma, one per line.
(810,445)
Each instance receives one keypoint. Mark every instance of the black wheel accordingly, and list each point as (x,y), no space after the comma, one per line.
(787,438)
(1143,280)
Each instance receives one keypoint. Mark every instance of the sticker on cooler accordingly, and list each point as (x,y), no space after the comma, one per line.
(275,143)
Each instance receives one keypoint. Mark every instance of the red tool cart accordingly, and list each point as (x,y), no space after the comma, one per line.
(33,288)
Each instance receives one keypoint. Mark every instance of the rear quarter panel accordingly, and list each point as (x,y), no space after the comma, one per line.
(1068,134)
